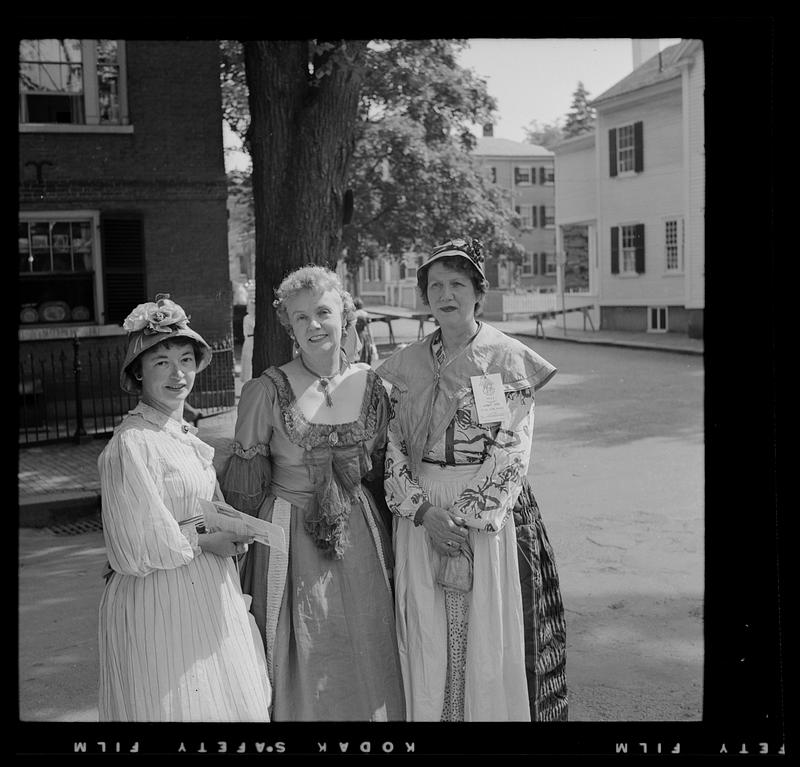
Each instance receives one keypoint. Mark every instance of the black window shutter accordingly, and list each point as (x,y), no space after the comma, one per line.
(614,250)
(536,263)
(542,220)
(612,151)
(638,239)
(638,146)
(533,216)
(123,265)
(541,175)
(543,263)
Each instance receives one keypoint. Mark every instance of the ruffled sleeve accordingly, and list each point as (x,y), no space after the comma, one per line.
(246,474)
(141,534)
(404,496)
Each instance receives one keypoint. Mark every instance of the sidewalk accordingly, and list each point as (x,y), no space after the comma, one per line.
(59,486)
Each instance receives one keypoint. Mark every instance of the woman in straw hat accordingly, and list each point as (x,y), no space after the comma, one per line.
(175,639)
(479,617)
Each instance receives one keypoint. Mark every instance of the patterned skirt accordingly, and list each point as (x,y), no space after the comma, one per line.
(543,612)
(545,623)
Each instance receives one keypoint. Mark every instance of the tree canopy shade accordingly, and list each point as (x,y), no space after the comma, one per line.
(414,179)
(387,121)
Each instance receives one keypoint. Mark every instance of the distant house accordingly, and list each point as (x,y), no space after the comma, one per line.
(630,198)
(526,173)
(122,195)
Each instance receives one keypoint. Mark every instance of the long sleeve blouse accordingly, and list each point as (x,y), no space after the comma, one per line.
(151,474)
(433,419)
(503,452)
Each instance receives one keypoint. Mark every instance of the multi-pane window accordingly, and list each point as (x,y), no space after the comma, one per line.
(57,266)
(373,271)
(549,263)
(493,174)
(673,246)
(524,213)
(549,216)
(75,82)
(657,319)
(629,249)
(527,264)
(108,78)
(625,148)
(408,271)
(524,175)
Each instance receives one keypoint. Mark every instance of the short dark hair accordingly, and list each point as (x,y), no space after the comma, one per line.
(479,283)
(136,365)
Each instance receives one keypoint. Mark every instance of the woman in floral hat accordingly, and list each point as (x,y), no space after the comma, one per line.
(175,639)
(480,623)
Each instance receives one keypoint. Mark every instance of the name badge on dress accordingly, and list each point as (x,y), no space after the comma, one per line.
(490,398)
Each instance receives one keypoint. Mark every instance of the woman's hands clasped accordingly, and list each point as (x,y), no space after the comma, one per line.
(224,543)
(446,531)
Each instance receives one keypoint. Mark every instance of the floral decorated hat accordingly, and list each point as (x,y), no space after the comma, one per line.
(150,324)
(471,250)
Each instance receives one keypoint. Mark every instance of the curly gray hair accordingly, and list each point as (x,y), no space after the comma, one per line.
(314,278)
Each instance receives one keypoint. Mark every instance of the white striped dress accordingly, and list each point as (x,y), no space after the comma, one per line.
(175,639)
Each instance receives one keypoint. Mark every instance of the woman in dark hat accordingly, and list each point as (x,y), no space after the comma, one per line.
(175,639)
(479,617)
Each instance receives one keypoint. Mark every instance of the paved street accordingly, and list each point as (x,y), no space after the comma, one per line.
(618,471)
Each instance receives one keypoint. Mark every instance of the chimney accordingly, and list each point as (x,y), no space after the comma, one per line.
(644,50)
(488,130)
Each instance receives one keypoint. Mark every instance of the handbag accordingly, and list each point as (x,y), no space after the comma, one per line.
(455,573)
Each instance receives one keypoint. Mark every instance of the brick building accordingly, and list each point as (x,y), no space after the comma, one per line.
(122,193)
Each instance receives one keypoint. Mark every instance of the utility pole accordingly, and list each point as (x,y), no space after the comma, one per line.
(561,262)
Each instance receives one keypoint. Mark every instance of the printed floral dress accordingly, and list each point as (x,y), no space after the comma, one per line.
(468,655)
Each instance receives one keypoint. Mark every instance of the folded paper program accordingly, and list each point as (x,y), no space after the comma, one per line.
(220,516)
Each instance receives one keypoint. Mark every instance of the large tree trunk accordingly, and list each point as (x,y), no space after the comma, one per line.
(303,107)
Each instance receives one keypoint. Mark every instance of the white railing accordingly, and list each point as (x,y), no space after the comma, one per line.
(531,303)
(528,303)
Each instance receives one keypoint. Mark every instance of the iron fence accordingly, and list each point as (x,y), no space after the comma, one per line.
(65,396)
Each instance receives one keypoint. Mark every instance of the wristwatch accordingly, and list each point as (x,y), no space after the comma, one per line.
(198,522)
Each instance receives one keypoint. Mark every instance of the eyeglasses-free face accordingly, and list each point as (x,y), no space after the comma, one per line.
(168,375)
(451,296)
(316,319)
